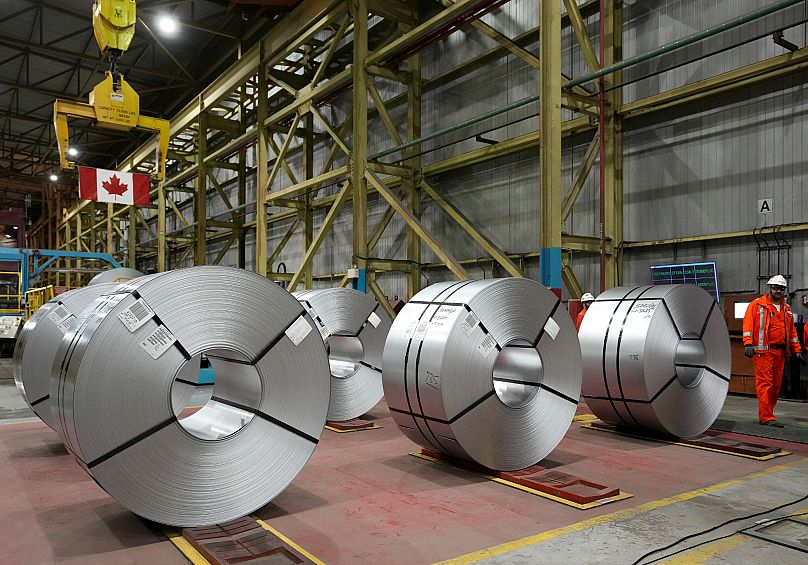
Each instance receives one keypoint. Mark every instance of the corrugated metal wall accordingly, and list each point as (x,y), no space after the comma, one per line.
(689,171)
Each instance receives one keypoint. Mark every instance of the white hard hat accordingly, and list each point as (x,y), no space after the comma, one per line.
(587,297)
(778,280)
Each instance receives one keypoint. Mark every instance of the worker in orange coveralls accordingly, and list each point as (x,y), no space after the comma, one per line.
(586,300)
(768,336)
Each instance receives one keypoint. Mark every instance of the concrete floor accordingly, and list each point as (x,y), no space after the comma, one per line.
(363,499)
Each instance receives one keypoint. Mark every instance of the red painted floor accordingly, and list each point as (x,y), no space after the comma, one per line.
(361,499)
(52,512)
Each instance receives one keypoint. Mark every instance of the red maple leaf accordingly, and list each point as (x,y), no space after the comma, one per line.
(114,186)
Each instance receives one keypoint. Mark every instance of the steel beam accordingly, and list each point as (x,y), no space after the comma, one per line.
(454,266)
(550,150)
(480,238)
(359,151)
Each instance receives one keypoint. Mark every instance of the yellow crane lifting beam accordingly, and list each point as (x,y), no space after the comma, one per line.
(113,103)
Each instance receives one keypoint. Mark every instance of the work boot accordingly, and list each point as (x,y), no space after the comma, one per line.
(772,423)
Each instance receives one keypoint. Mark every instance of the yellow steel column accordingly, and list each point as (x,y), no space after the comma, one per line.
(359,152)
(413,183)
(308,211)
(201,190)
(242,179)
(613,144)
(550,151)
(161,227)
(262,171)
(68,263)
(132,262)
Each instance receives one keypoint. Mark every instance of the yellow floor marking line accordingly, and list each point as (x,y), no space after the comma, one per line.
(584,418)
(619,515)
(289,542)
(373,427)
(782,453)
(185,547)
(700,555)
(588,505)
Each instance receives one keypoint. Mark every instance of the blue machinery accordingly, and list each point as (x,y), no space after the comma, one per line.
(33,262)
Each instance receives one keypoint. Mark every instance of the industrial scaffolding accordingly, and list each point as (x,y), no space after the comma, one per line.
(273,99)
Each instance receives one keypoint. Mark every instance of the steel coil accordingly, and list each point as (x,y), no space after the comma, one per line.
(119,275)
(354,328)
(117,407)
(39,339)
(488,371)
(656,357)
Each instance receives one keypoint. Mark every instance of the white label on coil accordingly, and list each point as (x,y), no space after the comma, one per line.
(136,315)
(158,342)
(469,323)
(59,314)
(409,331)
(299,330)
(644,309)
(551,328)
(374,320)
(110,302)
(66,324)
(443,315)
(420,331)
(487,345)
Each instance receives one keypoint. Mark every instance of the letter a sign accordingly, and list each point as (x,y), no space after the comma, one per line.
(765,206)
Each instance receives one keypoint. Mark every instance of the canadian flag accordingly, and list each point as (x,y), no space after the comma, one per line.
(102,185)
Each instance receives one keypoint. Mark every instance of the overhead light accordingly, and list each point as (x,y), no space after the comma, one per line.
(8,236)
(72,151)
(16,227)
(54,178)
(167,24)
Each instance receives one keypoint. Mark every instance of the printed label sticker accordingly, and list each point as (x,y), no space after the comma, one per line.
(158,342)
(299,330)
(551,328)
(136,315)
(487,345)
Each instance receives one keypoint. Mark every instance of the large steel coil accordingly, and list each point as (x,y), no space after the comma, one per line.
(656,357)
(488,371)
(119,275)
(39,339)
(117,407)
(354,328)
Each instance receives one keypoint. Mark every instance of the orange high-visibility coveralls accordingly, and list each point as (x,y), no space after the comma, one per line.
(772,334)
(580,319)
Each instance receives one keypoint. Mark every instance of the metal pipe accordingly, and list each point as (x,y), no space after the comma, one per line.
(689,40)
(751,16)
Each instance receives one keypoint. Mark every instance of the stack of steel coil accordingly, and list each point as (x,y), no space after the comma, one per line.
(39,340)
(488,371)
(114,381)
(656,357)
(354,328)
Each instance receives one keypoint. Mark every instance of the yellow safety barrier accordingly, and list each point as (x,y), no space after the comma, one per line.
(35,298)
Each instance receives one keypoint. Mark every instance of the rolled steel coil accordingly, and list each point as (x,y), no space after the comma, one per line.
(39,340)
(116,405)
(119,275)
(656,357)
(354,328)
(488,371)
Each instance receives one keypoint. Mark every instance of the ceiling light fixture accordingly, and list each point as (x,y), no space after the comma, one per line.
(72,151)
(53,178)
(167,24)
